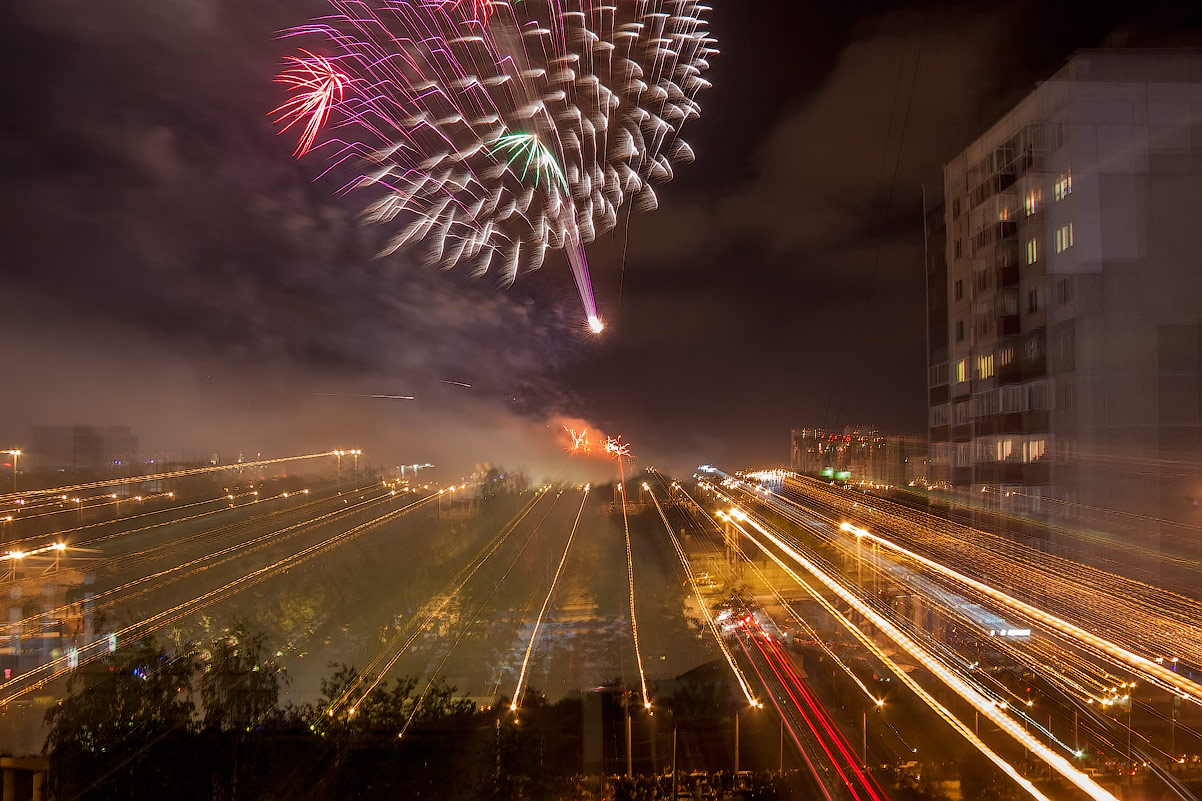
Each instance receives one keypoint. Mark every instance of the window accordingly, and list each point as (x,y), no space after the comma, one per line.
(1033,200)
(956,209)
(939,375)
(1005,449)
(985,367)
(1034,450)
(959,290)
(960,333)
(1064,238)
(1064,186)
(1039,396)
(1064,291)
(958,249)
(985,404)
(1014,399)
(962,370)
(1066,347)
(1006,355)
(940,415)
(1033,301)
(1032,251)
(963,412)
(1064,396)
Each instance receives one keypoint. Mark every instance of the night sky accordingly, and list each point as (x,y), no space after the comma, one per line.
(169,266)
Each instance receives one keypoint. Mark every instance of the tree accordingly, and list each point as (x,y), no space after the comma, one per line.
(239,684)
(121,730)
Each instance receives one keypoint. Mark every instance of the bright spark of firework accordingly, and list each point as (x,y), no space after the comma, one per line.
(615,447)
(316,86)
(580,442)
(492,132)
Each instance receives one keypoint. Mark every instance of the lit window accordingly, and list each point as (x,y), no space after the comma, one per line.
(1005,449)
(1064,186)
(985,366)
(1033,199)
(1006,355)
(962,370)
(1064,238)
(1034,450)
(1032,251)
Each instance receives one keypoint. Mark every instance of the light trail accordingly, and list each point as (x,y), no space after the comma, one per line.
(1125,610)
(463,632)
(825,732)
(902,676)
(432,610)
(1143,616)
(711,624)
(634,624)
(106,599)
(517,693)
(950,679)
(1165,678)
(61,533)
(94,650)
(193,471)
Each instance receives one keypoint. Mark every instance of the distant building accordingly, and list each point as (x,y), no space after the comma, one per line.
(859,453)
(81,447)
(1074,295)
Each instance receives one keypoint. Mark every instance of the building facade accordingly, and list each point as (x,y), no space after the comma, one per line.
(81,447)
(1073,292)
(862,452)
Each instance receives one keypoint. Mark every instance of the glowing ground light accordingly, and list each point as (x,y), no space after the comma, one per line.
(595,324)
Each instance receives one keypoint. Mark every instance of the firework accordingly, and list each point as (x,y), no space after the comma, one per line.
(492,132)
(615,447)
(580,442)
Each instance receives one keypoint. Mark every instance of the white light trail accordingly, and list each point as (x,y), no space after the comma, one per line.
(419,622)
(953,681)
(192,471)
(634,624)
(517,693)
(744,685)
(1162,676)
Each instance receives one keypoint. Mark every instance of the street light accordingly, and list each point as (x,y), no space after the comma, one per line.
(15,453)
(753,705)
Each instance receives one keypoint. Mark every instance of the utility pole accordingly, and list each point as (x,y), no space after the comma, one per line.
(675,784)
(736,741)
(864,742)
(629,753)
(781,769)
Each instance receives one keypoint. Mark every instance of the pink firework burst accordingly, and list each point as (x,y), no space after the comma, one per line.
(317,86)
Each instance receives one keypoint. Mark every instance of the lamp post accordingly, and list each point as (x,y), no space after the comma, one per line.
(754,705)
(15,453)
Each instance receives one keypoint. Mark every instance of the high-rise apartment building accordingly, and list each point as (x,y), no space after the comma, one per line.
(1074,295)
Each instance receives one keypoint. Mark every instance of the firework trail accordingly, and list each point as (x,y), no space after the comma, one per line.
(492,131)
